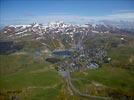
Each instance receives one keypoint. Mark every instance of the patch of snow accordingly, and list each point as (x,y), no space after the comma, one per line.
(16,26)
(84,25)
(122,38)
(5,31)
(36,25)
(95,31)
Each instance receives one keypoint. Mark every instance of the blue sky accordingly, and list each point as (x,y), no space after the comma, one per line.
(27,11)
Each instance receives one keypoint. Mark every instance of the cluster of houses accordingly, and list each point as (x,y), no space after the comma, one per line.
(81,60)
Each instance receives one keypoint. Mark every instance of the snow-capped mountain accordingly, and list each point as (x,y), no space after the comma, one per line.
(54,29)
(120,23)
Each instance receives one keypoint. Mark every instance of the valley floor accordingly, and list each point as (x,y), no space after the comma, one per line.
(23,77)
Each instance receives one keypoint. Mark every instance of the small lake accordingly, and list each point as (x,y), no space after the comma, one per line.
(65,53)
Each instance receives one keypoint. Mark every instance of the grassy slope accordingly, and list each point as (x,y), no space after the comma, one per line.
(22,72)
(39,81)
(116,78)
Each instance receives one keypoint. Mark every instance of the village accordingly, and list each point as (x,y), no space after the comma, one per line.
(79,58)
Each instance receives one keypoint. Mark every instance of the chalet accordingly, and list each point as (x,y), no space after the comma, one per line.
(92,66)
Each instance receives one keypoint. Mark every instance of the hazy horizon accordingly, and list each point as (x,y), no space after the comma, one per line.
(24,12)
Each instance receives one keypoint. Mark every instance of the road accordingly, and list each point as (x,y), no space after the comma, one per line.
(77,92)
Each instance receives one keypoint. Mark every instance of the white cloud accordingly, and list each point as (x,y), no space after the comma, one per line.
(121,15)
(126,16)
(124,11)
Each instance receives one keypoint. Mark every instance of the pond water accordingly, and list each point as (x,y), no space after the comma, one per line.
(65,53)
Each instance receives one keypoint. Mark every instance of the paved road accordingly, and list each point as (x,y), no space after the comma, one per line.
(77,92)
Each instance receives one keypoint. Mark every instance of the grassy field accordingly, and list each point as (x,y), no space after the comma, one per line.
(22,73)
(40,81)
(31,79)
(115,79)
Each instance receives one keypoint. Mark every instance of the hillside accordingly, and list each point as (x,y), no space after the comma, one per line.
(100,65)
